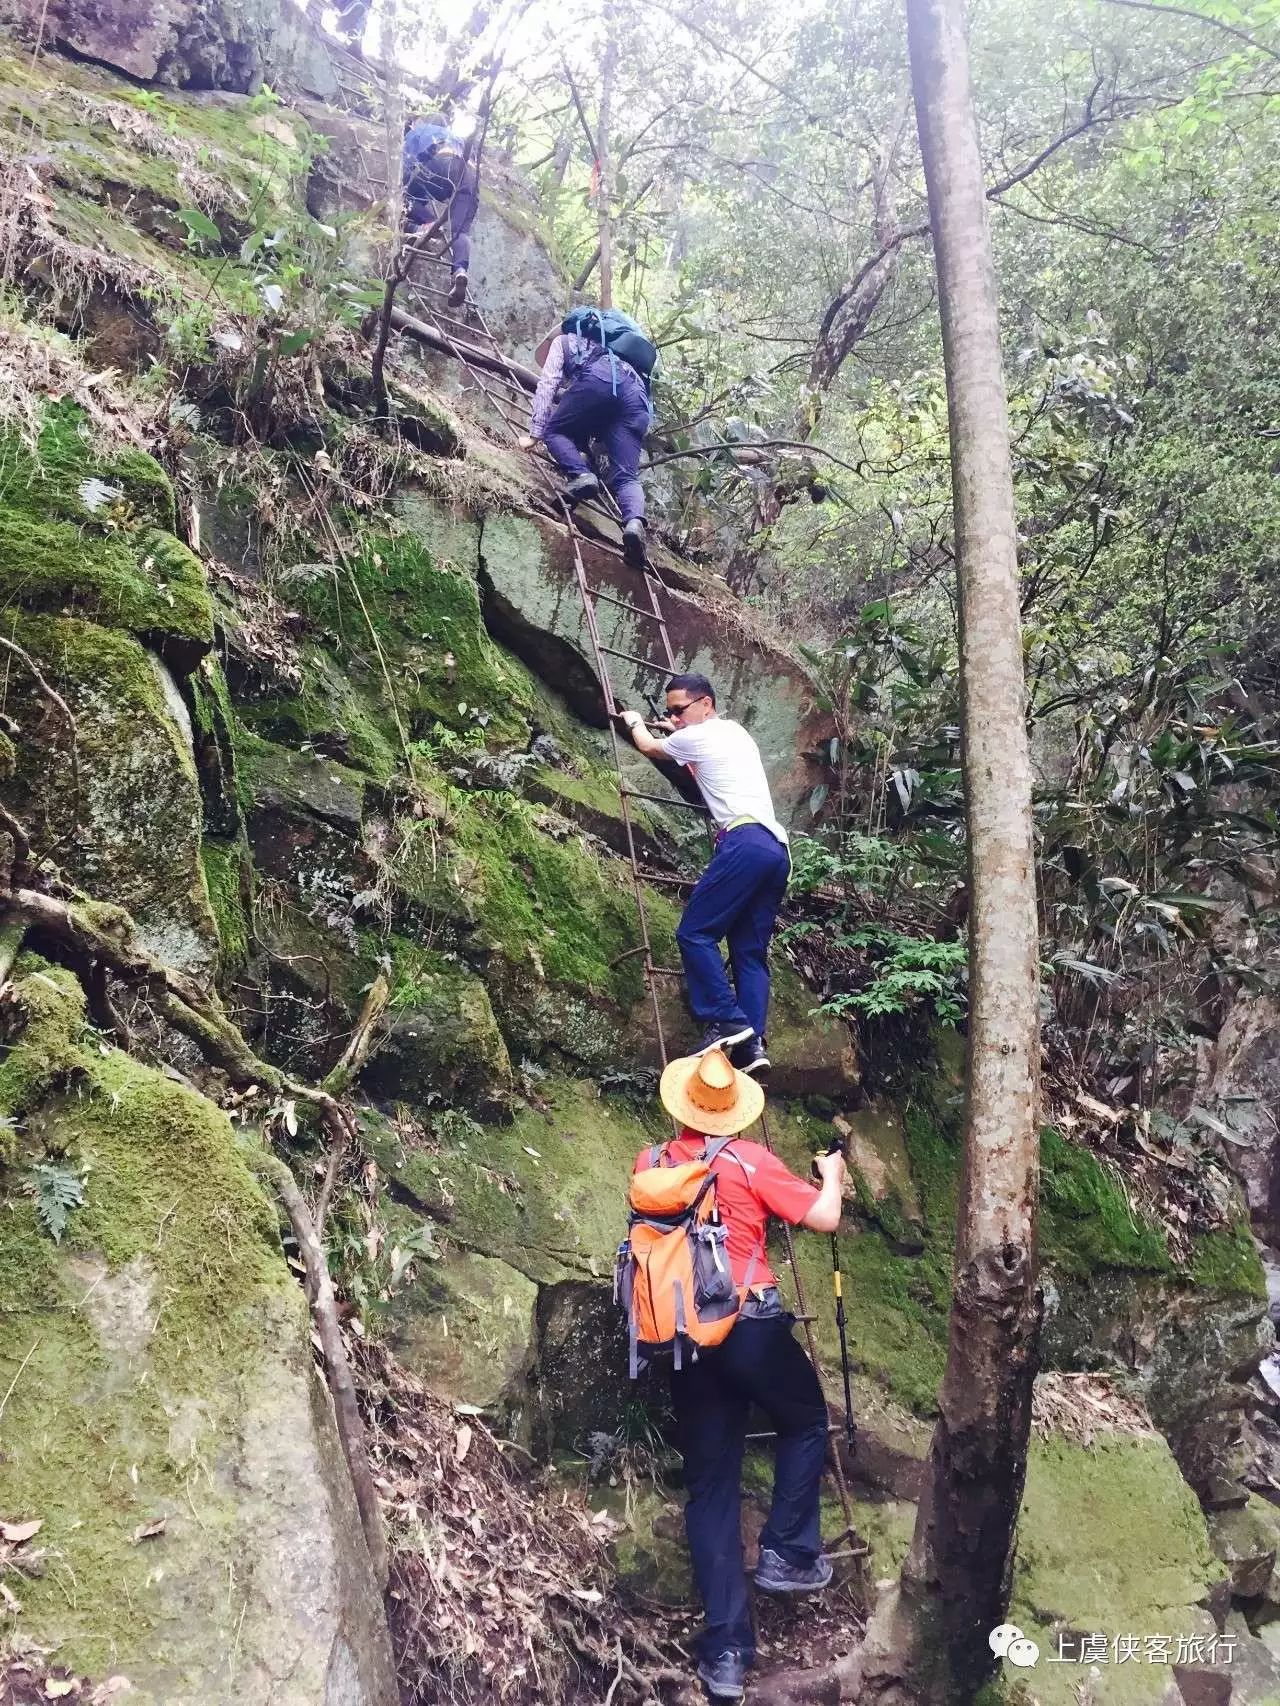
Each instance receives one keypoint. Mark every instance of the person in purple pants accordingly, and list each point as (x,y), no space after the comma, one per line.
(601,397)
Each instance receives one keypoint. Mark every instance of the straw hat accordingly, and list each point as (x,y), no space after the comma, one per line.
(705,1092)
(544,348)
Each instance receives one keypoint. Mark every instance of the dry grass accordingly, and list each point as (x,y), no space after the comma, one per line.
(1078,1407)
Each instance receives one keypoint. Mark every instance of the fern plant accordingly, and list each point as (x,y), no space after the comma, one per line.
(57,1190)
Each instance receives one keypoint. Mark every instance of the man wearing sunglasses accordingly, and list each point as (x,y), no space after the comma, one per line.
(736,899)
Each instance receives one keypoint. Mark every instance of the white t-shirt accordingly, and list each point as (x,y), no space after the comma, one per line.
(725,763)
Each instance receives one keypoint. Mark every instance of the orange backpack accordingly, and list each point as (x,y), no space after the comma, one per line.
(672,1278)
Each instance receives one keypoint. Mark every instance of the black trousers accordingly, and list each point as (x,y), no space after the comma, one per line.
(759,1363)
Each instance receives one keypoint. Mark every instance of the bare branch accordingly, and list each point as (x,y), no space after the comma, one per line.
(1199,18)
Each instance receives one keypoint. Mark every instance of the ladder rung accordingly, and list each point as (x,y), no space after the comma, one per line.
(662,800)
(667,882)
(644,663)
(664,971)
(622,604)
(862,1551)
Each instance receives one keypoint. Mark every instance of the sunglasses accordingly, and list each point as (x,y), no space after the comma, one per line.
(677,711)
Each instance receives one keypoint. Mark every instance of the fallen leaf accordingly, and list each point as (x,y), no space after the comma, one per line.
(149,1530)
(109,1689)
(530,1150)
(461,1443)
(588,1596)
(9,1600)
(16,1532)
(57,1688)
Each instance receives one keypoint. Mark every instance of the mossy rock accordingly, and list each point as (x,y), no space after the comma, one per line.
(87,532)
(131,832)
(546,1193)
(1247,1540)
(1111,1542)
(465,1326)
(158,1371)
(413,616)
(442,1042)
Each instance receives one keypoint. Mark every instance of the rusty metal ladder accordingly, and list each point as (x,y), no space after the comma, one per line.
(512,395)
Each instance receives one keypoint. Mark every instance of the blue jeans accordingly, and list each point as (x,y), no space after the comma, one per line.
(591,409)
(759,1363)
(736,899)
(453,182)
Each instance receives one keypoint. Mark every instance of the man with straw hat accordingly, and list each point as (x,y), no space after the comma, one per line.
(760,1362)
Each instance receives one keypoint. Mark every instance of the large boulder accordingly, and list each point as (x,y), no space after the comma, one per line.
(163,1420)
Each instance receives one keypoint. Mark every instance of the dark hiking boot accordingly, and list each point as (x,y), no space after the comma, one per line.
(751,1056)
(775,1575)
(723,1678)
(458,289)
(581,487)
(723,1035)
(633,549)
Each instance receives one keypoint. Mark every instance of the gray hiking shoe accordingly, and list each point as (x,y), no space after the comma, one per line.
(775,1575)
(723,1678)
(582,486)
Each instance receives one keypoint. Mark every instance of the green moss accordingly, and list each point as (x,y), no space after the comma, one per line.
(395,606)
(553,905)
(1111,1540)
(337,708)
(129,749)
(46,1049)
(111,560)
(122,1349)
(544,1193)
(224,865)
(1087,1221)
(1227,1260)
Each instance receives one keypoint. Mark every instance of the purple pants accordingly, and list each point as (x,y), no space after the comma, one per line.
(589,409)
(453,182)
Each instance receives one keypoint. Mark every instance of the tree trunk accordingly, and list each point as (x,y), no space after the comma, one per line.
(604,158)
(928,1643)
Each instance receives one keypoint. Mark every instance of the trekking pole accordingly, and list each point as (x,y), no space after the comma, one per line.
(837,1281)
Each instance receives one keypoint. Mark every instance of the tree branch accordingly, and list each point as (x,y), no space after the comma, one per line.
(1199,18)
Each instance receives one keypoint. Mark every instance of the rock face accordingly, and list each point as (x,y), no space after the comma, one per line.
(532,604)
(168,1430)
(192,44)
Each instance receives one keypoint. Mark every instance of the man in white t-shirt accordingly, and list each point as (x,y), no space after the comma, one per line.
(738,895)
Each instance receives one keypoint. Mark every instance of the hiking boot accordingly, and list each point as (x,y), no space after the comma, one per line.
(633,550)
(581,487)
(751,1056)
(723,1678)
(458,289)
(723,1034)
(775,1575)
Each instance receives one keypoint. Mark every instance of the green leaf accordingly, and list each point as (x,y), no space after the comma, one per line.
(199,224)
(292,342)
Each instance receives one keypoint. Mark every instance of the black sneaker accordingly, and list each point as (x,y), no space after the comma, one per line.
(458,289)
(633,549)
(582,486)
(723,1678)
(723,1034)
(775,1575)
(751,1056)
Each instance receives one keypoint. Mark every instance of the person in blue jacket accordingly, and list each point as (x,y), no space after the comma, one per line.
(437,172)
